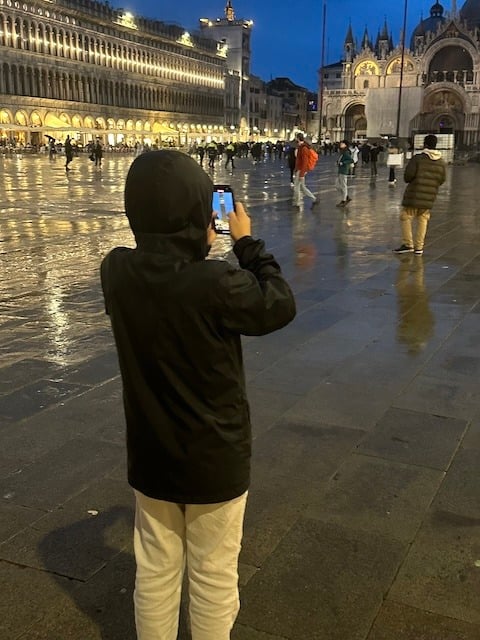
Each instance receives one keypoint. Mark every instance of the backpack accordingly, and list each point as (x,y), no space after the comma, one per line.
(312,159)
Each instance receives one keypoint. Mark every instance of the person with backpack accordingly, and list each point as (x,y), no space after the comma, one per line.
(345,161)
(305,161)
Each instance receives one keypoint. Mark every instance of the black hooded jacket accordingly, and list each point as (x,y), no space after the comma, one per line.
(177,320)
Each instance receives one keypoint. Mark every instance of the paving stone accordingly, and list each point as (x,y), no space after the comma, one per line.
(369,494)
(441,573)
(78,538)
(14,376)
(96,370)
(396,621)
(443,397)
(459,493)
(322,581)
(14,518)
(267,407)
(101,609)
(415,438)
(60,474)
(241,632)
(344,405)
(35,397)
(28,599)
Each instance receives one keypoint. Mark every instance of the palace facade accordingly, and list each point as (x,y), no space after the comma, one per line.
(83,68)
(440,81)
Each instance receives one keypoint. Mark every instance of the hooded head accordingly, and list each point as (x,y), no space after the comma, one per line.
(168,202)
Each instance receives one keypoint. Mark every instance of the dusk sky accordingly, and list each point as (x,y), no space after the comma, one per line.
(286,39)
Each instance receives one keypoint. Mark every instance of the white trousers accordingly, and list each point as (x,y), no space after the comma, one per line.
(342,186)
(300,190)
(206,539)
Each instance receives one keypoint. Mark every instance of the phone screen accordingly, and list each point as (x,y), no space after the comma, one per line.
(222,204)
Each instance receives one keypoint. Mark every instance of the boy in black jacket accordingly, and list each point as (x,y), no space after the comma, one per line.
(177,320)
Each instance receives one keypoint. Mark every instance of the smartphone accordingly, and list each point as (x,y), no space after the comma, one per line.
(223,203)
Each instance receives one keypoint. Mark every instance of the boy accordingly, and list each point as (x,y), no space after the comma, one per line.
(177,320)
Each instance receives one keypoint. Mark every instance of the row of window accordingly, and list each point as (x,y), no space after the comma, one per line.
(31,35)
(43,83)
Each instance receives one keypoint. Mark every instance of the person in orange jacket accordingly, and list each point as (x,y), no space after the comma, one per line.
(301,167)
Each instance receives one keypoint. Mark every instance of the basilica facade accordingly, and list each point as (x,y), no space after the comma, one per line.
(83,68)
(440,83)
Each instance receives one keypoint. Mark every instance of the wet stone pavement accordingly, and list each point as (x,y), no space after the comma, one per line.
(363,521)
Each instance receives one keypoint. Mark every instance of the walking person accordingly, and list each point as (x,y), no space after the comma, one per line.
(212,154)
(201,151)
(177,319)
(292,159)
(230,151)
(68,153)
(98,153)
(301,168)
(345,161)
(374,153)
(354,152)
(424,173)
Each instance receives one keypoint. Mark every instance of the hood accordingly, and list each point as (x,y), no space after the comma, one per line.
(433,154)
(168,202)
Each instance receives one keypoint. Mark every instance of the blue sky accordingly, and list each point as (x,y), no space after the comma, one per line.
(286,38)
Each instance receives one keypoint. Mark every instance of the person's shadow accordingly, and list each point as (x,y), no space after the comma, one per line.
(415,318)
(93,562)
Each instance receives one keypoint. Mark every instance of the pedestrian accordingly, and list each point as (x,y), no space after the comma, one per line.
(292,159)
(177,319)
(354,153)
(374,153)
(98,152)
(230,151)
(365,153)
(201,151)
(212,154)
(301,168)
(345,161)
(424,173)
(393,150)
(52,149)
(68,153)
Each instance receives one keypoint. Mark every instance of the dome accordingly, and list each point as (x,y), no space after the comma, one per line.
(429,24)
(470,12)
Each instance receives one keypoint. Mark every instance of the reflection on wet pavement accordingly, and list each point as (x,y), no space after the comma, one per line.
(55,228)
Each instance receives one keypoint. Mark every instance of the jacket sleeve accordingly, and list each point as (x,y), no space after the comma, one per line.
(410,170)
(256,299)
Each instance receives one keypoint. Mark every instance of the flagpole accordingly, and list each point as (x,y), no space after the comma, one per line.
(322,64)
(400,90)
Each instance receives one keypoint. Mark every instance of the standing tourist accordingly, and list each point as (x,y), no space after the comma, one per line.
(177,319)
(98,153)
(68,153)
(345,161)
(424,173)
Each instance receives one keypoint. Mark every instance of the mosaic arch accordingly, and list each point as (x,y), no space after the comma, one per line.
(21,118)
(35,119)
(6,116)
(395,66)
(367,68)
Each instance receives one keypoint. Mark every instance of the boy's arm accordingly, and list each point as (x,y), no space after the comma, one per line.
(256,299)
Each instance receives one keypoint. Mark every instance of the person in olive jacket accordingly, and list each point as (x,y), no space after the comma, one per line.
(177,319)
(424,173)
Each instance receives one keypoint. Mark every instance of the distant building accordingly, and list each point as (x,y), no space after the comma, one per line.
(234,36)
(295,102)
(441,81)
(83,68)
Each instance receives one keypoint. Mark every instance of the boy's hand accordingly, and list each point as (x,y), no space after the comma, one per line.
(240,223)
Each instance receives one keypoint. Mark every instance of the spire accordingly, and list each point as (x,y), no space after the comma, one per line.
(384,34)
(454,9)
(229,12)
(349,37)
(366,44)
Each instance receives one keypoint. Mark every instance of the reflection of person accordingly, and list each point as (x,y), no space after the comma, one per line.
(415,319)
(177,319)
(424,173)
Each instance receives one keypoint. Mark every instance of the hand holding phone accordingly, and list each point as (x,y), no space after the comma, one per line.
(223,203)
(240,223)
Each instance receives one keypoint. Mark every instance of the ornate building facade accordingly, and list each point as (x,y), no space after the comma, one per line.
(440,83)
(83,68)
